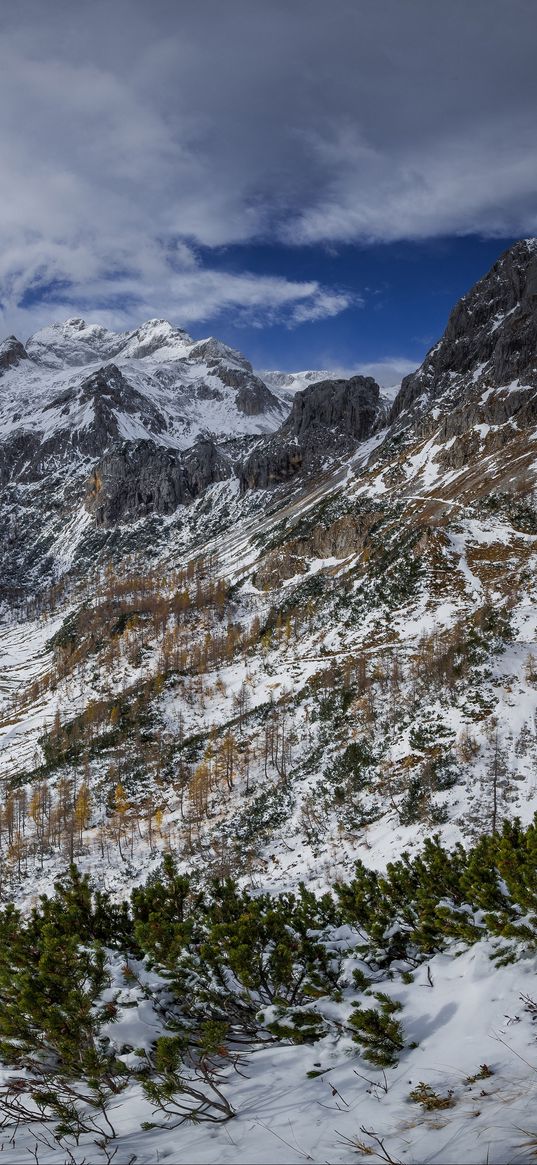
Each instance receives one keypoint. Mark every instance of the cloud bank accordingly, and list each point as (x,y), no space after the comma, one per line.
(134,140)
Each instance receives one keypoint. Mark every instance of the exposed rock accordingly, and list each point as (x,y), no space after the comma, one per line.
(17,456)
(109,392)
(209,392)
(253,397)
(343,537)
(142,478)
(204,464)
(26,456)
(232,368)
(329,418)
(349,406)
(271,462)
(490,339)
(11,353)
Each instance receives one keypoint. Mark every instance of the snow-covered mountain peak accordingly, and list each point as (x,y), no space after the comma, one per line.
(75,343)
(78,391)
(285,384)
(213,349)
(157,338)
(71,343)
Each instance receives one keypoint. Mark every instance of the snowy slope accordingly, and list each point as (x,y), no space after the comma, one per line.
(360,651)
(285,384)
(187,387)
(324,1103)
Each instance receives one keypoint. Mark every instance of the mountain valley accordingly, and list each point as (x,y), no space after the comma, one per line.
(270,629)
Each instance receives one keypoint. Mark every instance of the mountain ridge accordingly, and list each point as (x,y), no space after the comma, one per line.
(304,710)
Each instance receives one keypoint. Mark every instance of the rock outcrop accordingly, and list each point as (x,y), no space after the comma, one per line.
(344,537)
(327,421)
(347,407)
(253,396)
(143,478)
(11,353)
(490,340)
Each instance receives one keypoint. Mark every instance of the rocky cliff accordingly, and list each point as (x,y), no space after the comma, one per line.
(490,340)
(141,478)
(327,422)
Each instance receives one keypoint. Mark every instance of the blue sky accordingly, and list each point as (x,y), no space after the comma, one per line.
(315,183)
(402,293)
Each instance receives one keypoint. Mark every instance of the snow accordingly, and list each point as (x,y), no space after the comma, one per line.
(284,385)
(471,1013)
(461,1010)
(177,376)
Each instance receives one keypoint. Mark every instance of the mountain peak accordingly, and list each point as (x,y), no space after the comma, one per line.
(11,353)
(152,337)
(75,322)
(69,343)
(489,338)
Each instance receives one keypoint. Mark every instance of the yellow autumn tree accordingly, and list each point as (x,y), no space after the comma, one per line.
(82,810)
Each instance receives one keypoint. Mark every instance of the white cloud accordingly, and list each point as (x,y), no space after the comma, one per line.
(448,185)
(388,371)
(132,137)
(323,304)
(189,296)
(95,195)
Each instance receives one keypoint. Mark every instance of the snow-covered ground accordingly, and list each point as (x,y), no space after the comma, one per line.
(476,1051)
(384,605)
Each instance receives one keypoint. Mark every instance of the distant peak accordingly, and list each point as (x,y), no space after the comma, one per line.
(11,353)
(152,336)
(216,350)
(158,325)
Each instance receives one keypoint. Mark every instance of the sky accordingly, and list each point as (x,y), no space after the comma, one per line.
(315,183)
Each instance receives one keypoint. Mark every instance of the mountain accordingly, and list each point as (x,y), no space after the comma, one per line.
(488,345)
(101,430)
(80,404)
(328,421)
(286,384)
(382,527)
(86,388)
(288,648)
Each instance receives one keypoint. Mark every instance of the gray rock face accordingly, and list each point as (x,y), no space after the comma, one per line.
(350,406)
(490,338)
(328,419)
(17,457)
(11,353)
(140,478)
(271,463)
(234,370)
(253,397)
(204,464)
(25,456)
(109,392)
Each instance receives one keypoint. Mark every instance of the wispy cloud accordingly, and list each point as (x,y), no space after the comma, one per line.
(387,371)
